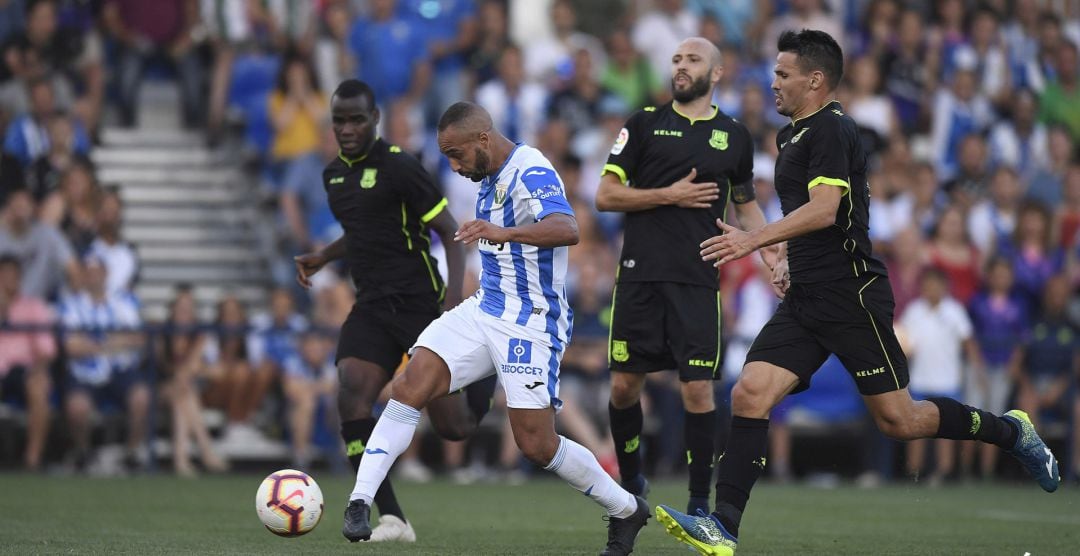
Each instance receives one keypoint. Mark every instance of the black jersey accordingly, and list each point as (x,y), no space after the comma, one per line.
(658,147)
(824,149)
(384,201)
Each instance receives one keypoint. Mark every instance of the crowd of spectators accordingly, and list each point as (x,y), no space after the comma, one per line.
(971,111)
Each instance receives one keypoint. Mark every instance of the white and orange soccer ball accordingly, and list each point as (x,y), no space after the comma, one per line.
(289,503)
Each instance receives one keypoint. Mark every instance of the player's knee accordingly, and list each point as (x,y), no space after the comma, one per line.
(537,451)
(895,426)
(749,400)
(698,396)
(625,390)
(454,430)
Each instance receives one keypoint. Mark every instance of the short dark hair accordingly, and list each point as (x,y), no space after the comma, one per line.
(457,113)
(352,88)
(10,259)
(817,51)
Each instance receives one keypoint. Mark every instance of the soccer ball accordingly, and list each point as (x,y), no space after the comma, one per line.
(289,503)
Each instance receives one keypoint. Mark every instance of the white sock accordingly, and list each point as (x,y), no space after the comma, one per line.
(391,436)
(579,467)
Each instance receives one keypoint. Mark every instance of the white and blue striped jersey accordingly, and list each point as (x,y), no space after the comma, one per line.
(79,312)
(522,283)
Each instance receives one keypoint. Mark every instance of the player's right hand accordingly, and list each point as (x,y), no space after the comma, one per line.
(781,280)
(687,194)
(306,266)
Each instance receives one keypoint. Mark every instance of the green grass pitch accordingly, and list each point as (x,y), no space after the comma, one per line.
(215,515)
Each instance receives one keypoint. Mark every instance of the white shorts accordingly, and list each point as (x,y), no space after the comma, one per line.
(475,345)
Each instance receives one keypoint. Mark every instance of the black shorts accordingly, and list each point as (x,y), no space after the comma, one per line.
(657,326)
(383,334)
(852,318)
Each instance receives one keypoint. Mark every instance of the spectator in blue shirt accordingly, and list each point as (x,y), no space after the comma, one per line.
(1050,357)
(391,52)
(451,28)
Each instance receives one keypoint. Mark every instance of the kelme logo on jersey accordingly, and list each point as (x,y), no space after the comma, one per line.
(619,351)
(718,140)
(520,351)
(798,135)
(367,180)
(500,194)
(339,179)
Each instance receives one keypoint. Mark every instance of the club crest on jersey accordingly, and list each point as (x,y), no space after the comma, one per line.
(500,194)
(718,140)
(367,180)
(620,141)
(798,135)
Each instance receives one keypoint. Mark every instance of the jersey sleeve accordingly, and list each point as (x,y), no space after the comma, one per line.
(622,160)
(418,189)
(742,178)
(829,155)
(545,192)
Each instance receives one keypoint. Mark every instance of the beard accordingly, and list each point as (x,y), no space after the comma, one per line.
(480,171)
(699,87)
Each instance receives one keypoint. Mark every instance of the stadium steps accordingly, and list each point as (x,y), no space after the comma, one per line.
(190,210)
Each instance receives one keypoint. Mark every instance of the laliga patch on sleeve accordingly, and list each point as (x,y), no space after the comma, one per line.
(620,141)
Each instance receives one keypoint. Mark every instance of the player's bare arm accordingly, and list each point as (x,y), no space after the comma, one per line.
(445,225)
(555,230)
(615,196)
(310,263)
(815,215)
(751,217)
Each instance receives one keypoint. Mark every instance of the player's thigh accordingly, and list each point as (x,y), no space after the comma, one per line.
(527,361)
(853,319)
(365,337)
(456,338)
(638,343)
(692,329)
(786,344)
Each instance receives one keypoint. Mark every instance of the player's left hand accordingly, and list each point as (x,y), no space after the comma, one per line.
(481,229)
(733,244)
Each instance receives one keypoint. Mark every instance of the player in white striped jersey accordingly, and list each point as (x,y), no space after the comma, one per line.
(517,325)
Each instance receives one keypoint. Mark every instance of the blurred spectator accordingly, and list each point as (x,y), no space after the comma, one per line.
(334,60)
(391,51)
(629,74)
(43,177)
(48,261)
(659,31)
(492,39)
(868,107)
(951,251)
(905,267)
(802,14)
(947,32)
(106,352)
(968,183)
(1021,140)
(121,259)
(1060,101)
(1033,254)
(959,112)
(25,356)
(27,135)
(229,379)
(1067,216)
(938,332)
(12,18)
(1037,69)
(273,339)
(991,221)
(516,105)
(910,69)
(297,110)
(303,200)
(182,353)
(1046,185)
(550,59)
(159,32)
(1019,34)
(450,27)
(74,207)
(727,95)
(578,103)
(741,21)
(877,31)
(1000,319)
(983,50)
(45,51)
(309,381)
(1051,358)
